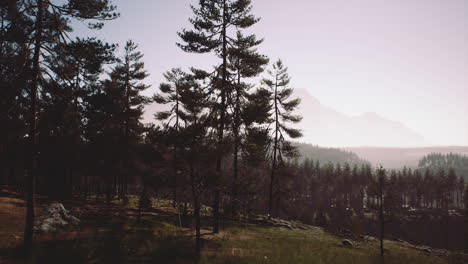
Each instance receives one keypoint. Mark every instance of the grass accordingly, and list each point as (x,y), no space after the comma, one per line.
(278,245)
(116,235)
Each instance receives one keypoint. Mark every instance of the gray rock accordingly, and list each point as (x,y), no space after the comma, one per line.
(347,243)
(55,218)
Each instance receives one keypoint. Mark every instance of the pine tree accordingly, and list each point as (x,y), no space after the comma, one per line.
(192,97)
(244,62)
(126,83)
(381,183)
(211,33)
(282,114)
(51,22)
(177,80)
(76,68)
(14,75)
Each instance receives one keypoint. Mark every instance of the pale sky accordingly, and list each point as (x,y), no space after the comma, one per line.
(406,60)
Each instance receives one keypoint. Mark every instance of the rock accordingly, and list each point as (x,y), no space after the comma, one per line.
(347,243)
(427,250)
(55,218)
(399,240)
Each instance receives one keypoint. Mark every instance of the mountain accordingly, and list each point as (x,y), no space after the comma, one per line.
(399,157)
(325,126)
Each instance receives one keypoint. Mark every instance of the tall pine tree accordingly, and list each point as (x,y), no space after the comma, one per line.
(245,62)
(51,23)
(281,116)
(177,80)
(212,23)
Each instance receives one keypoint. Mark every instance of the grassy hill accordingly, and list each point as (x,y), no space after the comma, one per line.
(116,234)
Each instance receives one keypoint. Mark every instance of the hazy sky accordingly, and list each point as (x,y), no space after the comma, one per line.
(406,60)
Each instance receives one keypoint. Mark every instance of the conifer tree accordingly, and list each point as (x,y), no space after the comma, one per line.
(381,183)
(174,117)
(212,23)
(281,116)
(192,98)
(14,75)
(76,67)
(126,83)
(51,22)
(244,62)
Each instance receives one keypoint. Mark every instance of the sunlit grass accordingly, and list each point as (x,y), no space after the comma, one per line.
(278,245)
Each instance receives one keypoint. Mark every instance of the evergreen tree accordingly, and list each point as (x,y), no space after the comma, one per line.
(125,86)
(193,99)
(211,33)
(170,94)
(77,67)
(244,62)
(51,22)
(282,114)
(14,75)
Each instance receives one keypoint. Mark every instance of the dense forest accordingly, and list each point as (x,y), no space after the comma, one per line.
(71,112)
(325,155)
(437,161)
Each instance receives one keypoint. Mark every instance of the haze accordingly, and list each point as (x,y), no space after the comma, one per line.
(405,61)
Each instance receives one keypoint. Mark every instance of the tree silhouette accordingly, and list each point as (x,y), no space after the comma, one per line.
(282,114)
(51,22)
(244,62)
(170,94)
(211,23)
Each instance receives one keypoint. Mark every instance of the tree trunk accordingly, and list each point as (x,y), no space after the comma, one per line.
(275,147)
(28,230)
(196,198)
(236,144)
(381,216)
(175,167)
(217,192)
(174,187)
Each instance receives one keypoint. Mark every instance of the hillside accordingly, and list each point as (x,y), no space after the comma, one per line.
(115,234)
(400,157)
(325,155)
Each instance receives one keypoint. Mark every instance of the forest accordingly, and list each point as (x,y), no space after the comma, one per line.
(226,150)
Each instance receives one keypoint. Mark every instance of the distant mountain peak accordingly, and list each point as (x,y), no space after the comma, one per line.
(304,95)
(325,126)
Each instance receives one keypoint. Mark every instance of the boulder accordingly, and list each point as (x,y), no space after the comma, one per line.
(347,243)
(55,218)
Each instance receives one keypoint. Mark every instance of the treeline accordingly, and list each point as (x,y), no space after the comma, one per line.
(324,186)
(325,155)
(437,161)
(362,200)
